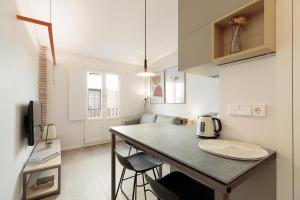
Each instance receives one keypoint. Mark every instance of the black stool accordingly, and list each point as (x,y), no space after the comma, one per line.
(140,163)
(178,186)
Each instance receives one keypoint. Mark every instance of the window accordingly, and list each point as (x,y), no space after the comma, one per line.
(112,95)
(94,95)
(103,94)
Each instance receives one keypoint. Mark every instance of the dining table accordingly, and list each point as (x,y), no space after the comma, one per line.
(179,147)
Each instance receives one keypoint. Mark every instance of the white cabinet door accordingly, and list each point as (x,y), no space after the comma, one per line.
(94,131)
(296,91)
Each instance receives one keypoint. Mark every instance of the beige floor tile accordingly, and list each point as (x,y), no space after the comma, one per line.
(86,175)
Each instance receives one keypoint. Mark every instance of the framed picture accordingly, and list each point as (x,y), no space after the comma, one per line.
(175,85)
(157,84)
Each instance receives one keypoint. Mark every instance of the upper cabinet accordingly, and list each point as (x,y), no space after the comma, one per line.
(195,14)
(195,33)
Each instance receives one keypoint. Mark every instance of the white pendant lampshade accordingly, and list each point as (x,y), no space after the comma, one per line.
(146,73)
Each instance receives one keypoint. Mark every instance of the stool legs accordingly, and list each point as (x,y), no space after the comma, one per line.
(129,151)
(134,191)
(135,184)
(154,174)
(144,186)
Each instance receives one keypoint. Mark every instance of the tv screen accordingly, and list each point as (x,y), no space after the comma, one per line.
(33,122)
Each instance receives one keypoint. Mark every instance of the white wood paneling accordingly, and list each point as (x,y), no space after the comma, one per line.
(97,131)
(94,131)
(77,95)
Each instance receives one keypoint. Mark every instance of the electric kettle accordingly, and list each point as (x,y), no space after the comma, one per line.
(208,127)
(49,132)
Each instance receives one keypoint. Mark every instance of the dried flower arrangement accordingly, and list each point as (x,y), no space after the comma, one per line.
(238,21)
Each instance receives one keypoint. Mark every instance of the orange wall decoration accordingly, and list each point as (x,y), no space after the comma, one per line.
(48,25)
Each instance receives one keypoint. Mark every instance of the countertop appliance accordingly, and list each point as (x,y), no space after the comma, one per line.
(208,127)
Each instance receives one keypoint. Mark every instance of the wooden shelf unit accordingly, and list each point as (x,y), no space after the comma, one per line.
(258,36)
(33,171)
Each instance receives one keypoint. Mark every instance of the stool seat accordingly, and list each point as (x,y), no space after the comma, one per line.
(179,186)
(142,162)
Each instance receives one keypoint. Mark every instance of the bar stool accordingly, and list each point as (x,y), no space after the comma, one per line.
(140,163)
(178,186)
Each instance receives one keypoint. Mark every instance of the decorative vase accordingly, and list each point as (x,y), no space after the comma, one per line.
(236,39)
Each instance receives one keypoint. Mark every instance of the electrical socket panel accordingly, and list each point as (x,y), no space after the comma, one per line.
(254,110)
(259,110)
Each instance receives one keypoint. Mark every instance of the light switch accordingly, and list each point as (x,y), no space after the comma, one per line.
(233,109)
(245,110)
(239,109)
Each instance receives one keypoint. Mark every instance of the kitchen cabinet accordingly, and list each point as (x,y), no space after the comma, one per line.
(194,42)
(195,49)
(296,100)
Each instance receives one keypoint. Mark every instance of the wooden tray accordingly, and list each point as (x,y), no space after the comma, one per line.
(233,149)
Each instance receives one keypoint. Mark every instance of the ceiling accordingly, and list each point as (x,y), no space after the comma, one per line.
(109,29)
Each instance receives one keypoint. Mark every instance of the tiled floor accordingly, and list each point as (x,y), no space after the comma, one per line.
(86,174)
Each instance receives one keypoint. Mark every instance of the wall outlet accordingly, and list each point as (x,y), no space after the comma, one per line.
(259,110)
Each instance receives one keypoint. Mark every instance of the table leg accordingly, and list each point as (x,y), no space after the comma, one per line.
(24,186)
(113,167)
(221,196)
(59,179)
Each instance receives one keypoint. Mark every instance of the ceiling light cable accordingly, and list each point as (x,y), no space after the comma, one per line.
(146,73)
(53,72)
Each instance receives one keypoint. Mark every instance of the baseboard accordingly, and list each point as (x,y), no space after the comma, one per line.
(90,144)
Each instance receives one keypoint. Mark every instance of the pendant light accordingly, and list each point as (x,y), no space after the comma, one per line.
(146,73)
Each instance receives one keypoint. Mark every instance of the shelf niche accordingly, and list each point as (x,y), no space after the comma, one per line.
(258,36)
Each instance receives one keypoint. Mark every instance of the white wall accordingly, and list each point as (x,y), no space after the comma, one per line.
(202,93)
(18,85)
(71,132)
(268,81)
(265,80)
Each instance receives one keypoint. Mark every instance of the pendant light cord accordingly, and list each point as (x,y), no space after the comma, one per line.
(50,10)
(145,29)
(145,61)
(53,78)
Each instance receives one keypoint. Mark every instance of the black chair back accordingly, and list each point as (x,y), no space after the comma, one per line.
(161,191)
(124,162)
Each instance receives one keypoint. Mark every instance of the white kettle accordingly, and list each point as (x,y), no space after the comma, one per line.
(49,132)
(208,127)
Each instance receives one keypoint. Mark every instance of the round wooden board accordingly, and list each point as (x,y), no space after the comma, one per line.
(233,149)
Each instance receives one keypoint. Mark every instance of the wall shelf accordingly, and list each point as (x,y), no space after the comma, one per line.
(258,36)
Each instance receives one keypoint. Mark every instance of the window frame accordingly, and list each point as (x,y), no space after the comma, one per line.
(103,95)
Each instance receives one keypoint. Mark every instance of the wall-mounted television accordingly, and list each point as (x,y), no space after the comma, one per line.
(33,122)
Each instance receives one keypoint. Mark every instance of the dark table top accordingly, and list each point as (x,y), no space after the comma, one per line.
(181,144)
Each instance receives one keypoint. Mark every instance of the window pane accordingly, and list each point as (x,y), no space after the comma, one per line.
(94,99)
(112,82)
(112,94)
(94,82)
